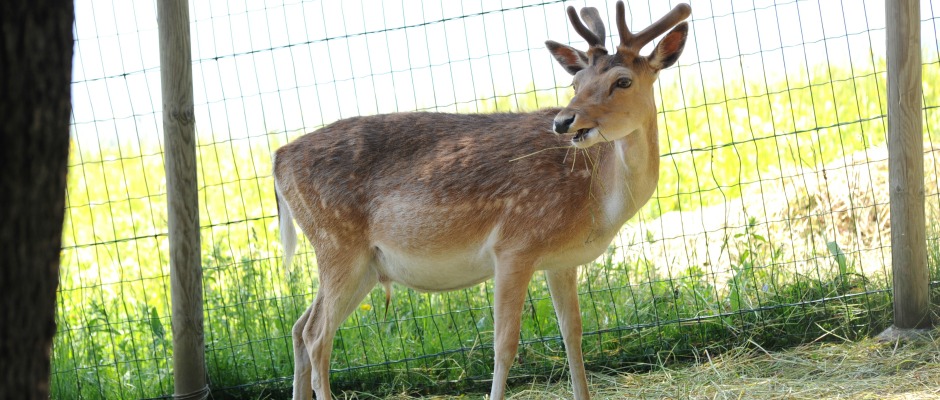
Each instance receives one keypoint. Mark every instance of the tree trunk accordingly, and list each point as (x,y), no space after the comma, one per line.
(35,103)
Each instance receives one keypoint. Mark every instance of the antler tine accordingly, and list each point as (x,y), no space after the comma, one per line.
(679,13)
(582,30)
(594,23)
(626,37)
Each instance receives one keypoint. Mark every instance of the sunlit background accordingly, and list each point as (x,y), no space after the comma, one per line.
(768,225)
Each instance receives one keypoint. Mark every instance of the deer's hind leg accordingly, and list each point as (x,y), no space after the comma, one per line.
(302,388)
(346,277)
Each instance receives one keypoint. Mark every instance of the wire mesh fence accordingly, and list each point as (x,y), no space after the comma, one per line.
(769,225)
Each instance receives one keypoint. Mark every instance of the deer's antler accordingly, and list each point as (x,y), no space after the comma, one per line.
(595,35)
(638,40)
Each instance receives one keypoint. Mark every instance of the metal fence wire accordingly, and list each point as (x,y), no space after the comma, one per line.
(769,225)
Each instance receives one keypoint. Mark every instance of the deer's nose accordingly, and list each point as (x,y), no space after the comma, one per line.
(561,126)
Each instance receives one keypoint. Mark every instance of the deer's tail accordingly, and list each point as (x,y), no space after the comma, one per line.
(286,226)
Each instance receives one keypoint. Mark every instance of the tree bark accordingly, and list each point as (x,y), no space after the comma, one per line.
(35,103)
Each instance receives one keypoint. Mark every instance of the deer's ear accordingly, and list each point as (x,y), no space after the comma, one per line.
(573,60)
(668,50)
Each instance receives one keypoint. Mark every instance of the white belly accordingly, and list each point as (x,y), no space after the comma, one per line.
(458,268)
(451,270)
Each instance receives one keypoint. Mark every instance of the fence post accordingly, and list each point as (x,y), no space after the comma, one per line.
(906,165)
(176,82)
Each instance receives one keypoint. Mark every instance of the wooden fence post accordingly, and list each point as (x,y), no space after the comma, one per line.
(906,165)
(176,78)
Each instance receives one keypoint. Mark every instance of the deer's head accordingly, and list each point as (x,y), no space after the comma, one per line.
(613,93)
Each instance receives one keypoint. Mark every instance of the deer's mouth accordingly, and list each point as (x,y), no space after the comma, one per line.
(583,134)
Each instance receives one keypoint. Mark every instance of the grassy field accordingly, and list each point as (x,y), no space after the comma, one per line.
(718,143)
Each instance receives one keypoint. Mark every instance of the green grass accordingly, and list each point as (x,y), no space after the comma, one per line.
(115,339)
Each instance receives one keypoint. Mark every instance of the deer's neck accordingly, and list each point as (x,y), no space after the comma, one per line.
(628,175)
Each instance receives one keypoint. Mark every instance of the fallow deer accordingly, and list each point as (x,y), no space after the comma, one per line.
(437,201)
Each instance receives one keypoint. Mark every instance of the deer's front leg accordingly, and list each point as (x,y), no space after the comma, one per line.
(563,286)
(511,281)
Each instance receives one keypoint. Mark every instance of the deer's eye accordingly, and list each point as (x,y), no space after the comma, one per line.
(624,83)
